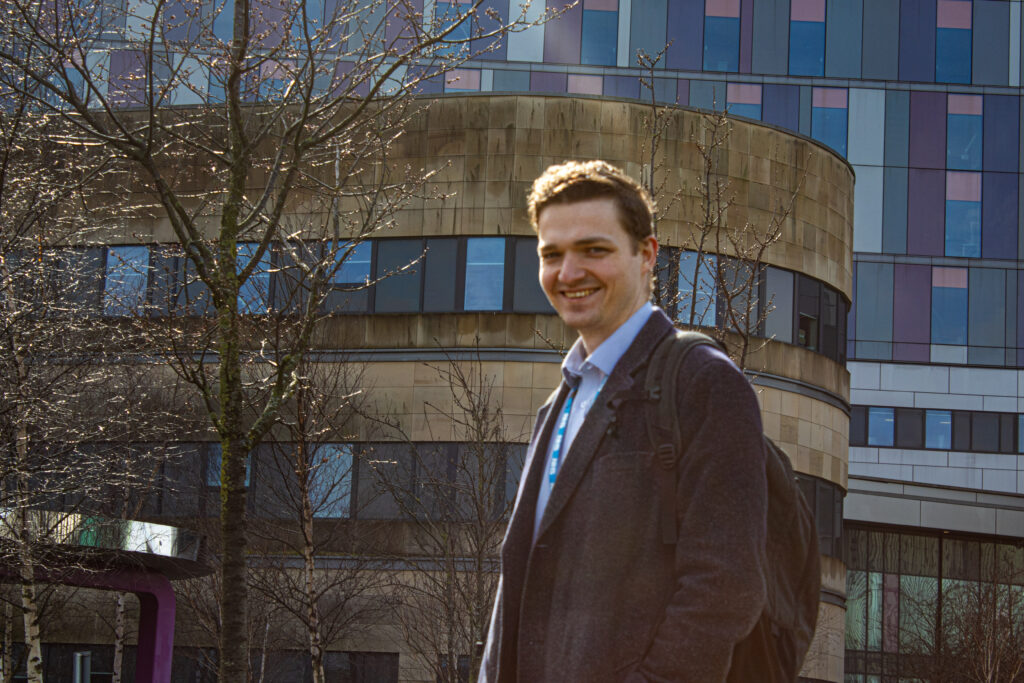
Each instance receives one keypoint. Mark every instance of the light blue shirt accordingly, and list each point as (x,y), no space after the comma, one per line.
(588,375)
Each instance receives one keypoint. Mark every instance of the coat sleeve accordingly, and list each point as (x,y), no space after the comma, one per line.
(722,508)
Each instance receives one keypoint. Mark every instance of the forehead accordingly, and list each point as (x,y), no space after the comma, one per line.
(588,219)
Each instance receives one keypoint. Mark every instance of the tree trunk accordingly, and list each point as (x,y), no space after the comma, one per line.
(119,634)
(6,660)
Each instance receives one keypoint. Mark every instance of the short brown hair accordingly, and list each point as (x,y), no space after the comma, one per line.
(577,181)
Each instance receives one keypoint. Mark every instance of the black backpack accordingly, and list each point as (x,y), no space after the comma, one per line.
(775,649)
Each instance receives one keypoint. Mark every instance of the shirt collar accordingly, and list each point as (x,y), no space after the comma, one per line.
(607,354)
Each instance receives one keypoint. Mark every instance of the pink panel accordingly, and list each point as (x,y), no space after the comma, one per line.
(833,98)
(462,79)
(964,104)
(722,8)
(807,10)
(949,277)
(963,186)
(953,14)
(606,5)
(743,93)
(585,85)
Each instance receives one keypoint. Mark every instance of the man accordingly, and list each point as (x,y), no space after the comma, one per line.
(589,592)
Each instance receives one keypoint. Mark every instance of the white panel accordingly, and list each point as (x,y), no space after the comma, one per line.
(867,121)
(866,469)
(528,45)
(1000,404)
(902,456)
(883,509)
(623,57)
(983,382)
(988,461)
(1000,480)
(948,401)
(863,454)
(958,517)
(867,209)
(863,375)
(963,477)
(1010,522)
(487,80)
(1014,44)
(915,378)
(868,397)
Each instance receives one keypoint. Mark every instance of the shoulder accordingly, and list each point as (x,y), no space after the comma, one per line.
(710,384)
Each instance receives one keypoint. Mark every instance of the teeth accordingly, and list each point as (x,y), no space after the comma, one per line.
(579,294)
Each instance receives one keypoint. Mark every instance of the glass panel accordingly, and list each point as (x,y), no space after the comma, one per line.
(881,424)
(829,126)
(485,273)
(254,293)
(858,426)
(909,428)
(953,54)
(355,269)
(721,43)
(697,288)
(985,432)
(1020,433)
(600,36)
(874,611)
(963,142)
(938,429)
(961,430)
(127,273)
(918,600)
(856,609)
(527,295)
(331,482)
(399,265)
(439,275)
(807,48)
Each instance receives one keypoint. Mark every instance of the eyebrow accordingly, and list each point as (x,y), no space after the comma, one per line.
(585,242)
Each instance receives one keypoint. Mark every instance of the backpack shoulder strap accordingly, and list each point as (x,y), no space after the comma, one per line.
(663,420)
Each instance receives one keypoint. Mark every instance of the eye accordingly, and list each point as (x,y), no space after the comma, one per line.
(597,251)
(549,256)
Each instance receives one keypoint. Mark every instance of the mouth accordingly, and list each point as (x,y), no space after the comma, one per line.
(579,293)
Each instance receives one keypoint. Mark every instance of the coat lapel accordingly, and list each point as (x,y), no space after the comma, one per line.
(598,419)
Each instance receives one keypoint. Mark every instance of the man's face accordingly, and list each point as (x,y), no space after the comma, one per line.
(593,272)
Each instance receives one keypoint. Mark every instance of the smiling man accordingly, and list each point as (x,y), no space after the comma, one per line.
(590,591)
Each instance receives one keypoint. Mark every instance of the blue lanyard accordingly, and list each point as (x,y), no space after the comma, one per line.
(556,446)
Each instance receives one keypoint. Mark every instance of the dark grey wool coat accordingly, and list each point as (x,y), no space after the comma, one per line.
(599,596)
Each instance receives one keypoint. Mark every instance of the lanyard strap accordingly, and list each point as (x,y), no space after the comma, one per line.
(563,422)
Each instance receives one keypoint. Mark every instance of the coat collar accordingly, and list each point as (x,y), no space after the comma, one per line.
(596,423)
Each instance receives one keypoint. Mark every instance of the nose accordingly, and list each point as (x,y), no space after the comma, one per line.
(572,269)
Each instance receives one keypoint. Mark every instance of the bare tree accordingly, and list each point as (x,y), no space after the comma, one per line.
(455,489)
(253,128)
(714,282)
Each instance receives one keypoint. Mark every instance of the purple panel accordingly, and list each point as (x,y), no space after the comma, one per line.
(746,34)
(127,78)
(911,352)
(683,92)
(548,81)
(917,40)
(180,20)
(999,215)
(926,212)
(428,86)
(494,48)
(1001,132)
(267,21)
(911,303)
(781,105)
(622,86)
(928,129)
(562,35)
(686,31)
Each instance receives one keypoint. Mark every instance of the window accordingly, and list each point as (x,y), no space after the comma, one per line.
(985,432)
(964,126)
(485,273)
(125,281)
(399,265)
(1020,433)
(440,269)
(448,14)
(744,99)
(953,41)
(961,430)
(528,297)
(807,38)
(462,80)
(881,426)
(949,306)
(909,428)
(828,117)
(697,288)
(938,429)
(808,313)
(213,465)
(348,286)
(963,214)
(254,293)
(330,489)
(600,32)
(858,425)
(721,35)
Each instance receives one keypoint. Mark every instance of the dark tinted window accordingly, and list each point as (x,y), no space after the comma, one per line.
(909,428)
(439,275)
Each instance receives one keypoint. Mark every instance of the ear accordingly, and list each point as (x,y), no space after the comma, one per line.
(649,252)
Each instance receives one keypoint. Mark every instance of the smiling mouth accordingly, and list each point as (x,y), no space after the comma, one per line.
(579,294)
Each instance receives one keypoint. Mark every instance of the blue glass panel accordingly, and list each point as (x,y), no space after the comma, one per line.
(953,55)
(330,486)
(600,35)
(963,228)
(949,315)
(446,14)
(721,43)
(703,304)
(254,293)
(938,429)
(355,268)
(224,21)
(751,111)
(881,426)
(485,273)
(963,142)
(124,287)
(807,48)
(1020,433)
(829,126)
